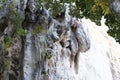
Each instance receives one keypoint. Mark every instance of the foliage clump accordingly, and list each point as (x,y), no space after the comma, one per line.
(12,15)
(7,42)
(39,29)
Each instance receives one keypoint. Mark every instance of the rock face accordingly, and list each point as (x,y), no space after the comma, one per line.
(115,6)
(54,54)
(55,49)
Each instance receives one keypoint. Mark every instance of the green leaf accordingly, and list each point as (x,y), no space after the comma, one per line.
(21,32)
(7,42)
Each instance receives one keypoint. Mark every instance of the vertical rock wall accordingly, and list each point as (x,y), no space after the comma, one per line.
(55,49)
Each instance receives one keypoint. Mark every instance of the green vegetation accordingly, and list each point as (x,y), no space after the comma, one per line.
(21,32)
(7,42)
(92,9)
(39,29)
(16,19)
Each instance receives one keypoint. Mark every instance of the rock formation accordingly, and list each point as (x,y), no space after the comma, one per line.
(39,47)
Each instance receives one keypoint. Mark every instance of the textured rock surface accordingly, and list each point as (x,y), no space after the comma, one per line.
(55,49)
(44,51)
(115,6)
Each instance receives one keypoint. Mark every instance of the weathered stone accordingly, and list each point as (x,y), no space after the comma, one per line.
(56,54)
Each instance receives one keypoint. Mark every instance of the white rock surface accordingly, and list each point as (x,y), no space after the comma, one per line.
(100,62)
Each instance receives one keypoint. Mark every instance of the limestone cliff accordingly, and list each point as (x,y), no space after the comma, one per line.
(36,46)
